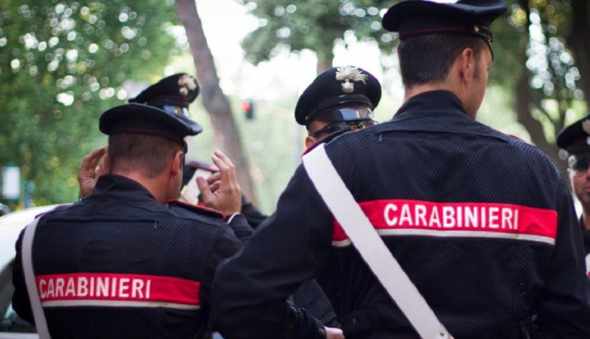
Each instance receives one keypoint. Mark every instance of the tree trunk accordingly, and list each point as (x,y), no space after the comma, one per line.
(524,99)
(325,59)
(578,42)
(533,126)
(215,101)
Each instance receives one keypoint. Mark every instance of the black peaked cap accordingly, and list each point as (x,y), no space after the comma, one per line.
(575,138)
(160,109)
(335,87)
(420,17)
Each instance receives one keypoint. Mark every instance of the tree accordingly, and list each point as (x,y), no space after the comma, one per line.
(316,25)
(534,46)
(62,64)
(215,101)
(578,41)
(546,86)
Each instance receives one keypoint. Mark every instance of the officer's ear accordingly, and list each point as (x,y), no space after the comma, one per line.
(177,163)
(310,141)
(467,64)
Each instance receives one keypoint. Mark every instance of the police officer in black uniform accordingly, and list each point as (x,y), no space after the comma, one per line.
(127,261)
(339,100)
(480,221)
(575,140)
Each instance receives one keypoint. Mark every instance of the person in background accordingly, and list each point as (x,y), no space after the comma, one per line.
(339,100)
(575,140)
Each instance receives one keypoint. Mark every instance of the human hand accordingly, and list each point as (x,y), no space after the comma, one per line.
(333,333)
(91,168)
(221,190)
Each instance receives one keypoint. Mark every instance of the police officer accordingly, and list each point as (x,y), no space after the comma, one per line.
(480,222)
(575,140)
(127,261)
(339,100)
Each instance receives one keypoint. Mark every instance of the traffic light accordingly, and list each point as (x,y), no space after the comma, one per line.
(248,109)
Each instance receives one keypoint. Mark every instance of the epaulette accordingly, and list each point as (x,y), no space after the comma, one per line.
(197,209)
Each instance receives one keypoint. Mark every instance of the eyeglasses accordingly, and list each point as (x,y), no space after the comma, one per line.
(176,110)
(342,126)
(343,113)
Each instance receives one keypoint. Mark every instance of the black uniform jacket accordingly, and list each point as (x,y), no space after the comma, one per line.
(119,264)
(586,234)
(480,221)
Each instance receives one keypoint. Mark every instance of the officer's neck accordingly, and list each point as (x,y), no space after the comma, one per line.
(449,86)
(153,185)
(423,88)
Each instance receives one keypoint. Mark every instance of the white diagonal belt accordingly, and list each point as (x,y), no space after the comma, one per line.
(27,262)
(371,247)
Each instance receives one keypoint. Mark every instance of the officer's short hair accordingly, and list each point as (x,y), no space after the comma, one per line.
(428,58)
(139,152)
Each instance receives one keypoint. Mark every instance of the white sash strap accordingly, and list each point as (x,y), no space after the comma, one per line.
(370,246)
(27,262)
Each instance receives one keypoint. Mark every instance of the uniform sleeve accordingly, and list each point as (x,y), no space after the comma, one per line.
(252,214)
(251,289)
(20,298)
(312,298)
(242,229)
(225,245)
(564,310)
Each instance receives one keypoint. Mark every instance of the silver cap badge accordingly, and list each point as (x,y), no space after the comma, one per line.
(186,84)
(350,74)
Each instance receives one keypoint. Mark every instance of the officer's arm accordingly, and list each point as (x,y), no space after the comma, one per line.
(239,224)
(224,246)
(20,299)
(250,290)
(565,310)
(252,214)
(312,298)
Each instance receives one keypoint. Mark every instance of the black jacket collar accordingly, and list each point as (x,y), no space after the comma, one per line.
(120,185)
(434,101)
(437,112)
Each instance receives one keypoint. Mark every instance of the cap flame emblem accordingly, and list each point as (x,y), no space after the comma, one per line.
(349,75)
(186,83)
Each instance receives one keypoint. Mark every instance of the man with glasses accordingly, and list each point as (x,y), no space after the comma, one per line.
(339,100)
(575,140)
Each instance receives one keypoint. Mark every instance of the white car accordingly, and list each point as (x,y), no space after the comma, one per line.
(11,326)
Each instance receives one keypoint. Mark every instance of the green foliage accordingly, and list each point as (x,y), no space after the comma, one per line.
(61,65)
(531,38)
(313,25)
(537,44)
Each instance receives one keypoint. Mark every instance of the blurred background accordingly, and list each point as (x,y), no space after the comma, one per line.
(64,62)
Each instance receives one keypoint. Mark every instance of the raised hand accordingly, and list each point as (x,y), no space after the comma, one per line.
(221,190)
(91,168)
